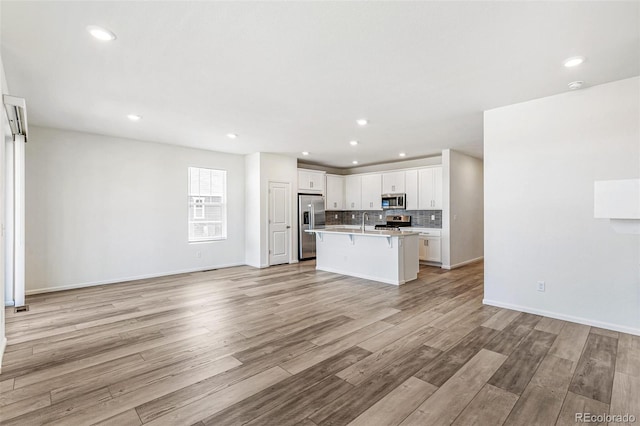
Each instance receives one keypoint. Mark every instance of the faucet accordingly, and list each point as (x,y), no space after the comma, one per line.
(365,216)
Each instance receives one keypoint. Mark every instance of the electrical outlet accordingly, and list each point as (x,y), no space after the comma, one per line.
(379,216)
(433,217)
(541,286)
(335,216)
(198,254)
(353,216)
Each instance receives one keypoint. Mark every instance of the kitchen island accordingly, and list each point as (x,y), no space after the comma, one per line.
(386,256)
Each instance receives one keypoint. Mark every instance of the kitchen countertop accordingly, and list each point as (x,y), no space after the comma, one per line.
(374,233)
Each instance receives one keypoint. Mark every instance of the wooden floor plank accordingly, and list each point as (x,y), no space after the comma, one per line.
(292,345)
(447,364)
(550,325)
(542,399)
(351,405)
(625,398)
(594,374)
(511,336)
(514,375)
(570,341)
(364,369)
(127,418)
(218,401)
(578,404)
(288,389)
(303,404)
(628,356)
(397,405)
(500,320)
(490,406)
(312,357)
(450,399)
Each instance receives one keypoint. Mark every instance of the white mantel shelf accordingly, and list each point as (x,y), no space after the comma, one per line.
(383,255)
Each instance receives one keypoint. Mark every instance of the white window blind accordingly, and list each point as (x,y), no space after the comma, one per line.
(207,204)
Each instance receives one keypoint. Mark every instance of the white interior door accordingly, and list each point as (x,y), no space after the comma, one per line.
(279,223)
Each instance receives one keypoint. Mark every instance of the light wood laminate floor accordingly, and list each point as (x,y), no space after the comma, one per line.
(290,345)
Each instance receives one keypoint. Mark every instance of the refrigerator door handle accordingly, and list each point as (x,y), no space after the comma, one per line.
(313,219)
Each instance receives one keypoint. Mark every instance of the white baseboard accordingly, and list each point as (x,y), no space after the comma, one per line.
(125,279)
(366,277)
(570,318)
(3,346)
(466,262)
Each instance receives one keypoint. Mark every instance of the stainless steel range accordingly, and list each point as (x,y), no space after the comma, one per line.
(396,222)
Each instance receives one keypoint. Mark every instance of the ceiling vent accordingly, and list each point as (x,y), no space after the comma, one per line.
(17,114)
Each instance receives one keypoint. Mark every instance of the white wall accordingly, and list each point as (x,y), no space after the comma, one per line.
(466,209)
(445,239)
(541,160)
(262,168)
(253,232)
(278,168)
(4,124)
(103,209)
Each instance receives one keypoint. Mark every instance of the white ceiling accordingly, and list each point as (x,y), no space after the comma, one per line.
(290,77)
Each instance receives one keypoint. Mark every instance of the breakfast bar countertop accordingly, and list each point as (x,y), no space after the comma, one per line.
(369,233)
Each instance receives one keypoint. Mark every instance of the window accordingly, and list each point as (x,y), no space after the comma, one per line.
(207,204)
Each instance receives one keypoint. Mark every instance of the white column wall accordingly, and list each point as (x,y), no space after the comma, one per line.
(541,159)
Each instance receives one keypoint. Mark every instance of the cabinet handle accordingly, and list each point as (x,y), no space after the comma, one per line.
(310,184)
(393,187)
(371,204)
(335,204)
(427,241)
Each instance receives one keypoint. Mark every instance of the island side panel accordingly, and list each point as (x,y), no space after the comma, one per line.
(410,257)
(360,256)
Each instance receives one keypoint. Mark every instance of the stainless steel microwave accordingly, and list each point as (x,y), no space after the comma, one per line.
(394,201)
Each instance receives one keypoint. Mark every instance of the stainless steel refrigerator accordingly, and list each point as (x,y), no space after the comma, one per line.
(310,216)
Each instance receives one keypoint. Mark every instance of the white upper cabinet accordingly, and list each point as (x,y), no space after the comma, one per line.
(353,192)
(335,192)
(430,188)
(411,189)
(311,181)
(371,192)
(393,182)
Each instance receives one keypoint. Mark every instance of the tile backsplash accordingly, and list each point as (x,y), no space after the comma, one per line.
(418,217)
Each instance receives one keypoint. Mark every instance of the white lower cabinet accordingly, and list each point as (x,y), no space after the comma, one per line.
(429,246)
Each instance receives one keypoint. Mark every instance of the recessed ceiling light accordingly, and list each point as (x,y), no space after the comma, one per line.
(353,143)
(232,135)
(100,33)
(402,154)
(575,85)
(573,61)
(305,153)
(354,162)
(362,122)
(134,117)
